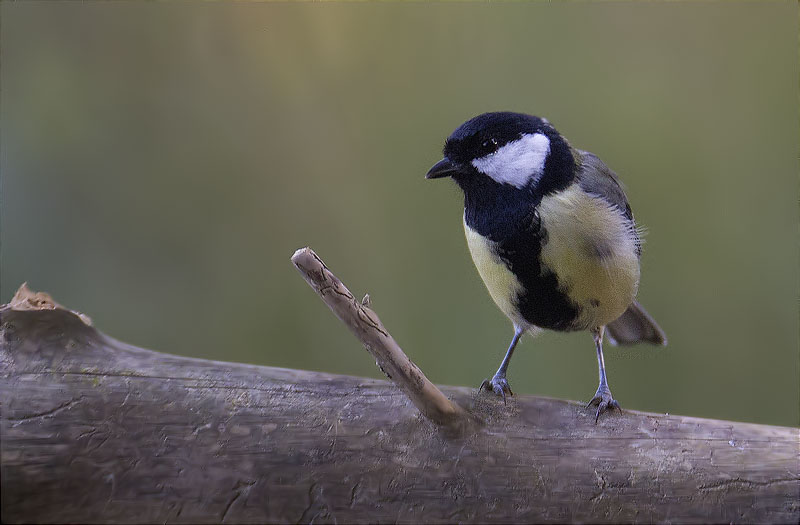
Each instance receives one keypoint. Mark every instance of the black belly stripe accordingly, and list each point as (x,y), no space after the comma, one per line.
(541,303)
(514,225)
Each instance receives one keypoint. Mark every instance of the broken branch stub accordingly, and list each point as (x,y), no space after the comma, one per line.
(367,327)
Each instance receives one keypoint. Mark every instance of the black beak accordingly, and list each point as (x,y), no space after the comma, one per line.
(443,168)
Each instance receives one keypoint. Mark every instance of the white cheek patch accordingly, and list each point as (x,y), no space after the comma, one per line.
(517,163)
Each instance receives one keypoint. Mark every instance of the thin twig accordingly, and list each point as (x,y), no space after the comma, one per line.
(366,326)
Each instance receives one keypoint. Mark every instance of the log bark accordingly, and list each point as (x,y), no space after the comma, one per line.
(96,430)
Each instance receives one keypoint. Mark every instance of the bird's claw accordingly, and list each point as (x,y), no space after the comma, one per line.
(498,385)
(603,400)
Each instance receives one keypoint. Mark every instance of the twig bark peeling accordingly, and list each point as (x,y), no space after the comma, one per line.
(367,327)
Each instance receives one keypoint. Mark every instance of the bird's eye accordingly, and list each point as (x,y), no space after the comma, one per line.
(489,146)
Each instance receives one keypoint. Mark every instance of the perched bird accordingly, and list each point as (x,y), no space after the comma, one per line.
(551,233)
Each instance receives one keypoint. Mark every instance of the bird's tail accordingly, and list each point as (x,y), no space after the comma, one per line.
(633,326)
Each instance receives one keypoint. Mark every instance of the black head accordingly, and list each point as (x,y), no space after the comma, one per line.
(505,148)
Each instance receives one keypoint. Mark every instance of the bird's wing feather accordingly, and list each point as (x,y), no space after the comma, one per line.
(597,178)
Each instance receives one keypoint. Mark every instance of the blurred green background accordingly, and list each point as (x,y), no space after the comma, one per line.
(161,163)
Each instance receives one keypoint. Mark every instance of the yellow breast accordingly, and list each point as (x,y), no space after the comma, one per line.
(503,285)
(591,247)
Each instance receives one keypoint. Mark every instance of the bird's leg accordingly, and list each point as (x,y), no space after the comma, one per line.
(499,384)
(602,398)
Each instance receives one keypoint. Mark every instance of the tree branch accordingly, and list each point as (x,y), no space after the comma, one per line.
(96,430)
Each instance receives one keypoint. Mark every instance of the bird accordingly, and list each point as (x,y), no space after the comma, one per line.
(552,235)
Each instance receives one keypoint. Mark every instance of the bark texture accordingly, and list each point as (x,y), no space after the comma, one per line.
(95,430)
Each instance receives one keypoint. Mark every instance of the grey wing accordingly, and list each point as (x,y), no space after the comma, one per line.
(635,324)
(597,178)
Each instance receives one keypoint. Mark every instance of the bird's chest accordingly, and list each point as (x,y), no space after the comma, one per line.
(503,285)
(571,265)
(591,248)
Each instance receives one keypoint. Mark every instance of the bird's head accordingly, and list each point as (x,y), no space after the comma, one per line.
(505,148)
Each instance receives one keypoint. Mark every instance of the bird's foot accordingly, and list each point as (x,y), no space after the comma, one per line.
(603,401)
(498,385)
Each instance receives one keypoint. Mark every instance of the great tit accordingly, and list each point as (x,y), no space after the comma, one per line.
(551,233)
